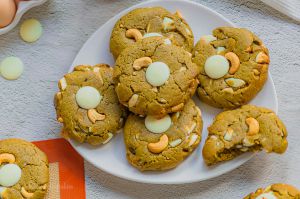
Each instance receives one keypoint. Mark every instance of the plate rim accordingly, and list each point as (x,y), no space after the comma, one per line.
(146,181)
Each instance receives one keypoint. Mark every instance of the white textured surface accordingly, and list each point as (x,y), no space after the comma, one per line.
(27,111)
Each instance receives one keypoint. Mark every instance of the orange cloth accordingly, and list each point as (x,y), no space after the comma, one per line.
(70,164)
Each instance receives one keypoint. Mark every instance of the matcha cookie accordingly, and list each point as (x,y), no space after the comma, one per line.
(88,106)
(148,22)
(24,171)
(234,67)
(160,144)
(249,128)
(276,191)
(155,78)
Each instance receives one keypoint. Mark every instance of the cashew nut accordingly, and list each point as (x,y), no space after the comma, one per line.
(142,62)
(234,62)
(25,193)
(62,84)
(177,107)
(262,58)
(134,33)
(94,116)
(253,126)
(159,146)
(60,120)
(7,158)
(133,100)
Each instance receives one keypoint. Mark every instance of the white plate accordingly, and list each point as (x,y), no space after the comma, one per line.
(111,157)
(23,7)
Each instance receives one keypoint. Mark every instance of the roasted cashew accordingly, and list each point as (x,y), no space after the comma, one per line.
(234,62)
(25,193)
(142,62)
(262,58)
(94,116)
(134,33)
(133,100)
(7,158)
(159,146)
(253,126)
(177,107)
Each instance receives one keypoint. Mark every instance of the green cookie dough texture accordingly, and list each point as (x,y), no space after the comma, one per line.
(233,133)
(281,191)
(81,124)
(250,76)
(150,20)
(35,169)
(184,136)
(141,97)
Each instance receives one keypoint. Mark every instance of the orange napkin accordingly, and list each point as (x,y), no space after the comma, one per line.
(66,169)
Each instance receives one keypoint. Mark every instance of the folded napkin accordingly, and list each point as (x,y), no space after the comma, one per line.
(66,168)
(290,8)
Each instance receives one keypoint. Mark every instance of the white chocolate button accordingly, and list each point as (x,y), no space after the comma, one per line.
(31,30)
(10,175)
(208,38)
(220,49)
(268,195)
(216,66)
(152,34)
(88,97)
(168,23)
(167,42)
(158,125)
(11,68)
(157,73)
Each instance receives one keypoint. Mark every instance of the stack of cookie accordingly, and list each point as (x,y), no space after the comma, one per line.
(156,73)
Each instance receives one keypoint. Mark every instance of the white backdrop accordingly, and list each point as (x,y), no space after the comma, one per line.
(26,109)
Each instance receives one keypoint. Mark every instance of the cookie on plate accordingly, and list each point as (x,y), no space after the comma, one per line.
(88,106)
(24,171)
(234,67)
(155,78)
(147,22)
(160,144)
(249,128)
(276,191)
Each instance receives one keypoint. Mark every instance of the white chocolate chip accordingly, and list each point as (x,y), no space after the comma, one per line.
(228,135)
(167,42)
(247,142)
(208,38)
(175,143)
(168,23)
(96,69)
(11,68)
(191,128)
(244,149)
(63,83)
(157,73)
(216,66)
(268,195)
(110,136)
(193,139)
(2,190)
(235,82)
(220,49)
(158,125)
(238,146)
(152,34)
(177,114)
(31,30)
(88,97)
(10,174)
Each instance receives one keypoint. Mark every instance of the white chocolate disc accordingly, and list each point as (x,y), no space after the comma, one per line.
(152,34)
(208,38)
(10,175)
(31,30)
(268,195)
(216,66)
(88,97)
(157,73)
(168,23)
(11,68)
(158,125)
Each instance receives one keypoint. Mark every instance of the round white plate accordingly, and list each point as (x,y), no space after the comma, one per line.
(111,157)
